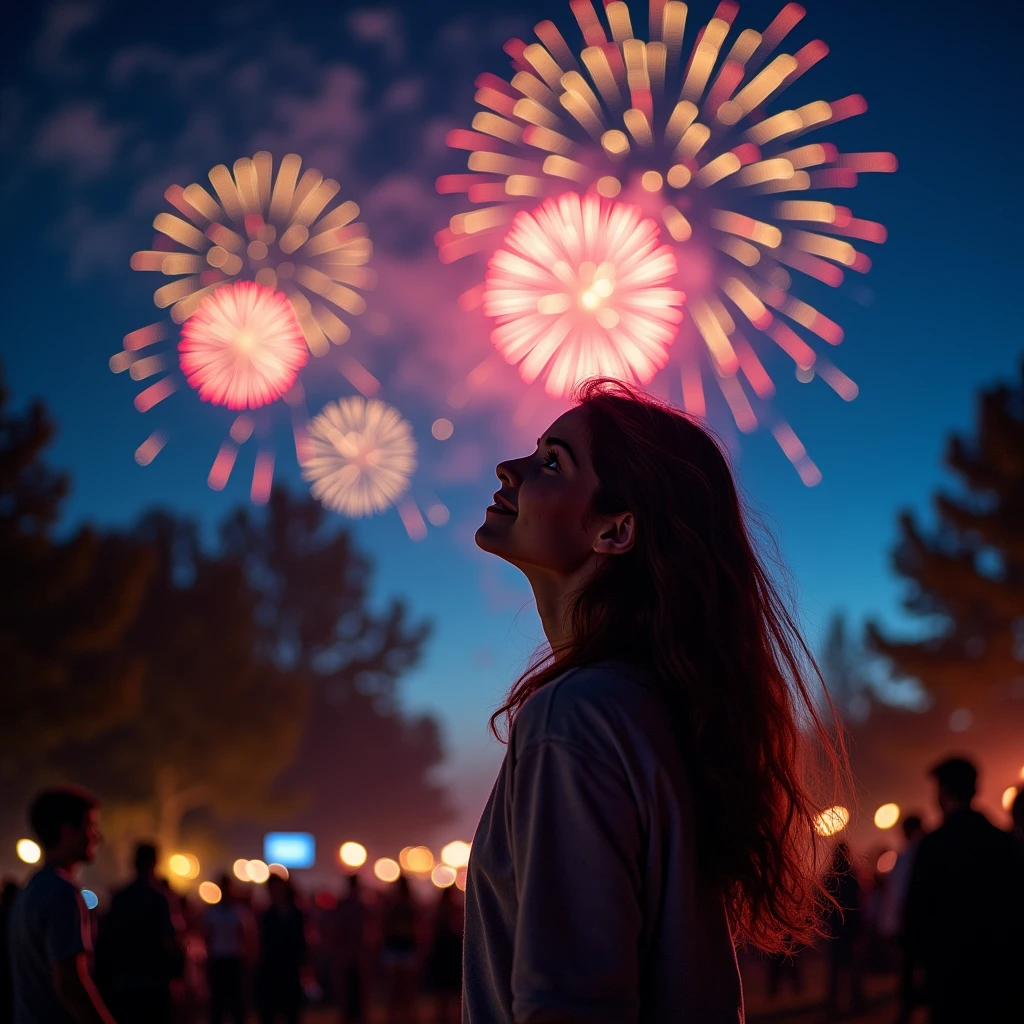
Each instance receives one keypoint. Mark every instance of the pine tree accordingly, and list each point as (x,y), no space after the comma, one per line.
(966,574)
(64,607)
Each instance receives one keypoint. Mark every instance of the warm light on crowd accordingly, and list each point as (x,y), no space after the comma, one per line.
(386,869)
(28,851)
(184,865)
(352,855)
(886,862)
(209,892)
(416,859)
(831,821)
(887,815)
(455,854)
(1009,795)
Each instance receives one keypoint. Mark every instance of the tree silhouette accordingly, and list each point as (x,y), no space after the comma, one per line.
(966,575)
(64,608)
(217,723)
(363,766)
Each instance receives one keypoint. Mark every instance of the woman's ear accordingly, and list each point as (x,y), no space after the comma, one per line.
(617,536)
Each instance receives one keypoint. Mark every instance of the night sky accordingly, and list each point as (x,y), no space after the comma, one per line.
(103,105)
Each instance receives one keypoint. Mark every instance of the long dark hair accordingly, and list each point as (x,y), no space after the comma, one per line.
(694,604)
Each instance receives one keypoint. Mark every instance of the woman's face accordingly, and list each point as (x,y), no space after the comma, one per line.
(539,516)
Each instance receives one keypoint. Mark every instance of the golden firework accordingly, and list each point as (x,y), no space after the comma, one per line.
(688,137)
(276,231)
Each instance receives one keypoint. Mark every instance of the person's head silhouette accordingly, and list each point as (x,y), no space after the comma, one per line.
(957,780)
(912,827)
(146,856)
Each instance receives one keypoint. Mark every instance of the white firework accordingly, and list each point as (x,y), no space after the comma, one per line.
(359,456)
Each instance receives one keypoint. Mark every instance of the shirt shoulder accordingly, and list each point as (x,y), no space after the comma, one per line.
(593,709)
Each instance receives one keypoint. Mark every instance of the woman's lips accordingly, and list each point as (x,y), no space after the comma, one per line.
(500,510)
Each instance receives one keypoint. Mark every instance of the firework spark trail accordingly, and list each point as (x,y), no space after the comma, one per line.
(360,456)
(688,138)
(580,289)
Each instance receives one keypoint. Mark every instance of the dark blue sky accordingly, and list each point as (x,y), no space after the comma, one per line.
(105,104)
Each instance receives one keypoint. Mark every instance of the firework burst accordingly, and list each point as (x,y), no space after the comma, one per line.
(687,136)
(359,457)
(267,230)
(261,270)
(242,347)
(580,289)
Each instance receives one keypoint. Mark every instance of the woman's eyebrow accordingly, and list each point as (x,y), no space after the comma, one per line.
(561,444)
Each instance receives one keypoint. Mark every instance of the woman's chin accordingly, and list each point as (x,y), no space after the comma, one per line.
(492,539)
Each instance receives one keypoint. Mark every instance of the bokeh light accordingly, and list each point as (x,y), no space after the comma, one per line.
(443,876)
(1009,795)
(91,900)
(28,851)
(438,514)
(241,870)
(442,429)
(832,821)
(455,854)
(209,892)
(360,456)
(887,815)
(386,869)
(184,865)
(417,859)
(460,879)
(961,720)
(280,870)
(257,871)
(886,862)
(352,855)
(580,288)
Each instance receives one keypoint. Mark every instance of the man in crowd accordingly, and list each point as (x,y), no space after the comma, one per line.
(50,936)
(965,908)
(138,952)
(893,912)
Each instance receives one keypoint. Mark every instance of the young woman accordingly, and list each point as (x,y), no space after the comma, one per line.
(653,809)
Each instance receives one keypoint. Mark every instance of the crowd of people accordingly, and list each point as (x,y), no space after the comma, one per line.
(946,918)
(152,956)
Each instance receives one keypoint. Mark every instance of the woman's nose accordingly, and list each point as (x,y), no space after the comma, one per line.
(507,473)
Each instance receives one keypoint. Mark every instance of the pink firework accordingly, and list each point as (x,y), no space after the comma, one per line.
(242,347)
(581,289)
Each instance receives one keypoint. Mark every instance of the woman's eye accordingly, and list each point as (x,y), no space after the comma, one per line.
(551,458)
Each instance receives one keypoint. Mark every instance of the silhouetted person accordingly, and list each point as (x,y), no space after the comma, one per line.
(282,954)
(345,928)
(844,922)
(7,897)
(225,929)
(138,952)
(51,933)
(965,908)
(398,952)
(892,920)
(1018,816)
(444,959)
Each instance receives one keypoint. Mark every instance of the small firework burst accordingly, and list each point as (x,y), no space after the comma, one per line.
(359,456)
(242,347)
(687,137)
(269,231)
(262,270)
(580,289)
